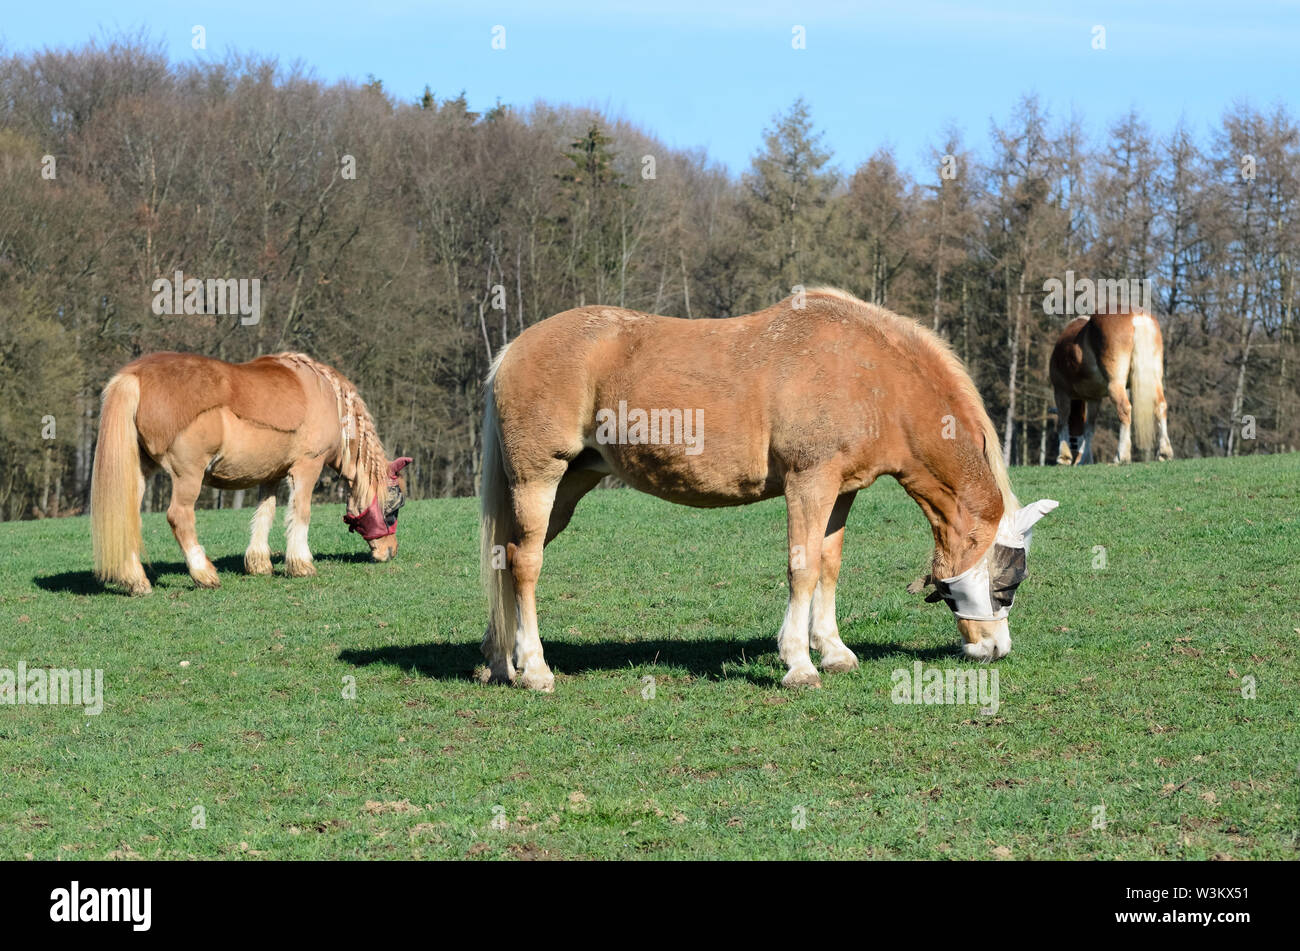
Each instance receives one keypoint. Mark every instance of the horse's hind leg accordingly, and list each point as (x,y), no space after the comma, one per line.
(825,632)
(138,582)
(257,559)
(528,644)
(1084,456)
(575,484)
(297,553)
(1083,414)
(1124,452)
(186,487)
(1064,420)
(533,500)
(809,501)
(1162,416)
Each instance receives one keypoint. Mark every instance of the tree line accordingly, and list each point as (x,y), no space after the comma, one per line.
(406,242)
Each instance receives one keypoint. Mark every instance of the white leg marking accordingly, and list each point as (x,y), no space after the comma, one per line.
(529,660)
(990,648)
(1125,451)
(792,642)
(258,555)
(296,548)
(295,530)
(261,525)
(825,633)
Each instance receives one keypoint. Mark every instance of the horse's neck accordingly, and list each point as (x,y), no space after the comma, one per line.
(347,442)
(357,453)
(963,505)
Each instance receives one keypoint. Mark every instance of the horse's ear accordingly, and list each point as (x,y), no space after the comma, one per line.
(397,465)
(1027,517)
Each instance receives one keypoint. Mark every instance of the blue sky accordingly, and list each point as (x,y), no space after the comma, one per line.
(711,75)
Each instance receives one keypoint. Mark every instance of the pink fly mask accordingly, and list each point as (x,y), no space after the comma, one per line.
(381,520)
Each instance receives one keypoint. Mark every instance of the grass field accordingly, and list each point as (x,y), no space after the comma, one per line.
(1124,690)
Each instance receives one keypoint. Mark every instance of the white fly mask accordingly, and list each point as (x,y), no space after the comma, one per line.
(986,590)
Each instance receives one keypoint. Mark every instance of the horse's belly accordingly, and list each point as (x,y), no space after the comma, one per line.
(670,474)
(238,482)
(244,472)
(249,455)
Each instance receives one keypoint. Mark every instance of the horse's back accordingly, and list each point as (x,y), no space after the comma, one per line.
(744,399)
(177,388)
(1092,350)
(267,392)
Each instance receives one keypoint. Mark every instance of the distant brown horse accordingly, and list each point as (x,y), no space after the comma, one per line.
(1096,357)
(234,426)
(812,399)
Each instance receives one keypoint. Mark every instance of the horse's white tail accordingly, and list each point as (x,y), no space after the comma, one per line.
(115,485)
(1145,378)
(496,530)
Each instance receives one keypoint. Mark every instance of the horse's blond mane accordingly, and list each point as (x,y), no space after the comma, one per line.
(925,340)
(358,430)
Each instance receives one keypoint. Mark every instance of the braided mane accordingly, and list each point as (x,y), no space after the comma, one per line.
(360,440)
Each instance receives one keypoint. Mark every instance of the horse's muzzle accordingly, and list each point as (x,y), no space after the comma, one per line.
(383,548)
(984,640)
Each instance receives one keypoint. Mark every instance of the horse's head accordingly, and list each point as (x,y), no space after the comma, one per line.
(981,596)
(378,523)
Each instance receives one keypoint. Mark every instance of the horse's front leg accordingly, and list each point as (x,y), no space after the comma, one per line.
(257,559)
(297,555)
(825,632)
(808,507)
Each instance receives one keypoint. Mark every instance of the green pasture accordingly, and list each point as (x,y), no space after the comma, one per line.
(1148,709)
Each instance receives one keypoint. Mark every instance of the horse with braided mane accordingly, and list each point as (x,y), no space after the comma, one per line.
(235,426)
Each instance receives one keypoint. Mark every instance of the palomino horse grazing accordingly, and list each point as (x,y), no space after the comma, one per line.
(235,426)
(1094,358)
(812,399)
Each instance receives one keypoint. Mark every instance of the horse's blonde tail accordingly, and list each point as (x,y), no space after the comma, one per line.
(1145,373)
(115,486)
(496,533)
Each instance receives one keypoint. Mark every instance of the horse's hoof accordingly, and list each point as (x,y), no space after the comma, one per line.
(257,563)
(542,680)
(300,569)
(486,675)
(801,678)
(138,589)
(839,665)
(207,579)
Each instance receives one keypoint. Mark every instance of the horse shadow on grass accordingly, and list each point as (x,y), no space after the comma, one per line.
(722,659)
(85,582)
